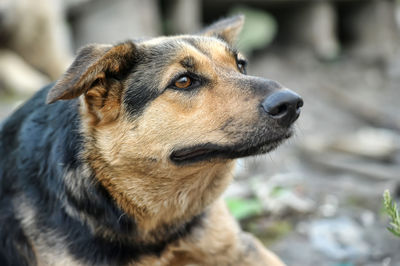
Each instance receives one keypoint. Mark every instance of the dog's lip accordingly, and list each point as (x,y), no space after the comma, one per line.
(187,153)
(208,151)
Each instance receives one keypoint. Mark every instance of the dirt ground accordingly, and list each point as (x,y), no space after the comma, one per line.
(329,189)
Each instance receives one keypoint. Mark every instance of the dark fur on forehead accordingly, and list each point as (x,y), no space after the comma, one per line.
(142,84)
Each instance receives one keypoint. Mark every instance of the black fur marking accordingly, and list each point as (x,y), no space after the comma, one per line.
(94,249)
(138,96)
(142,83)
(15,248)
(142,87)
(118,251)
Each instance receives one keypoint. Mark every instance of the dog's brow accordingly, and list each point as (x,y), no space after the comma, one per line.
(232,51)
(188,62)
(195,43)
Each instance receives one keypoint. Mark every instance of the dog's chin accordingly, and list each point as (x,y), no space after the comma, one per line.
(211,151)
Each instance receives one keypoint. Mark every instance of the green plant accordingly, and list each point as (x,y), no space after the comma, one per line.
(244,208)
(391,209)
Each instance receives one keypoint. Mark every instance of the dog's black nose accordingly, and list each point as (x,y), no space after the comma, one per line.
(283,106)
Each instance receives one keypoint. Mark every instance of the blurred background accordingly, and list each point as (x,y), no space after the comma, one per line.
(317,200)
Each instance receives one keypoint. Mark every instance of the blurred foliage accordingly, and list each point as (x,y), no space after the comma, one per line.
(259,30)
(244,208)
(391,209)
(277,191)
(270,233)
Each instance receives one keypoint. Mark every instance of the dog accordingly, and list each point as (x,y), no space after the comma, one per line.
(123,160)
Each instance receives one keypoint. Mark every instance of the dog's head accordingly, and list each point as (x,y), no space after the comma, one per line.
(172,112)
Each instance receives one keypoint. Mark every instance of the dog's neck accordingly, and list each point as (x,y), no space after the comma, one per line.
(156,201)
(97,210)
(101,223)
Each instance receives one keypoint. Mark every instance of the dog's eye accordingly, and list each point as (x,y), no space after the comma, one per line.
(183,82)
(241,64)
(187,82)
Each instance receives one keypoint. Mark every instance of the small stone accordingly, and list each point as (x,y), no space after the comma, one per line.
(238,189)
(329,206)
(367,218)
(375,143)
(340,238)
(280,194)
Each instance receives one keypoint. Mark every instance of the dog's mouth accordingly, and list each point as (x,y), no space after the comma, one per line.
(209,151)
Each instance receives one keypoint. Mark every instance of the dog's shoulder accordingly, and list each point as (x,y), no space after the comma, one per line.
(15,248)
(30,139)
(33,129)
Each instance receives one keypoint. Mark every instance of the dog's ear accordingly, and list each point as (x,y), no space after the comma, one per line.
(93,65)
(227,29)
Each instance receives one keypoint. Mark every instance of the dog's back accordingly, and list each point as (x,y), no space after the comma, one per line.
(32,139)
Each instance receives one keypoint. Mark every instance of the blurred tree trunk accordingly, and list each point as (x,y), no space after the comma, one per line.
(115,21)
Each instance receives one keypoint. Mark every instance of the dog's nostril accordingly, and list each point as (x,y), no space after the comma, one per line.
(281,109)
(299,104)
(283,106)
